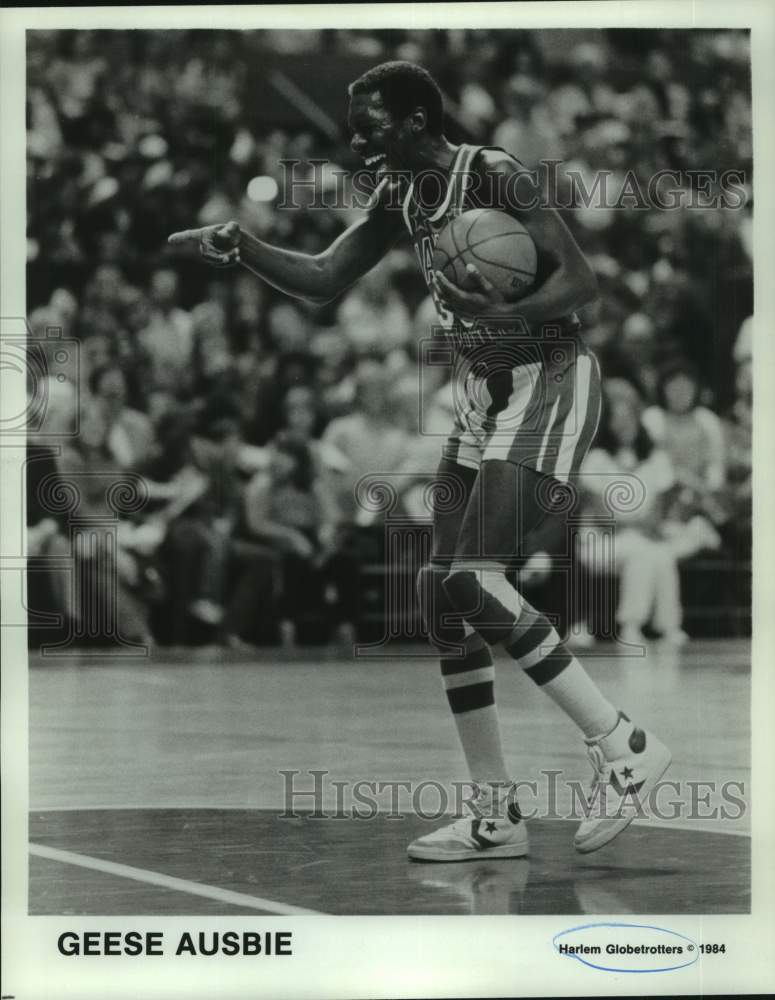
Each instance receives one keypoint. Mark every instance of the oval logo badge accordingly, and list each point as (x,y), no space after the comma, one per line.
(627,947)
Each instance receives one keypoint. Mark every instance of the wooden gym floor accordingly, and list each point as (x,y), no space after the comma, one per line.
(155,786)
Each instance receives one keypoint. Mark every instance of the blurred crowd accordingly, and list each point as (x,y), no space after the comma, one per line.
(252,418)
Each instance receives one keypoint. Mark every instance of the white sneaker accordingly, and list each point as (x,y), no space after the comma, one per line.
(491,828)
(621,784)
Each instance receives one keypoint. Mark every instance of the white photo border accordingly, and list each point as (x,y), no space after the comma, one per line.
(388,956)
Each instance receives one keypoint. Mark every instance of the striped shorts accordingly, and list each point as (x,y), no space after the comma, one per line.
(541,411)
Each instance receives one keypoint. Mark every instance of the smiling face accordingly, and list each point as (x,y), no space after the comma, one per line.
(377,137)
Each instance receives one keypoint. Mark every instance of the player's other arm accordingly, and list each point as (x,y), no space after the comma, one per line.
(571,282)
(316,277)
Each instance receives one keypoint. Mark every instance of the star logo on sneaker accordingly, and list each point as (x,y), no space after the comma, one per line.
(490,827)
(620,789)
(616,795)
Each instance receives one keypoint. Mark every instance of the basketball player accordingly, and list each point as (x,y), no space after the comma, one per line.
(527,408)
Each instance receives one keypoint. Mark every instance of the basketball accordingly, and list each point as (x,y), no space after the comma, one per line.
(499,245)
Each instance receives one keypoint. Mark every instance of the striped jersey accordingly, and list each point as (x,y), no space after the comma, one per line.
(425,226)
(528,400)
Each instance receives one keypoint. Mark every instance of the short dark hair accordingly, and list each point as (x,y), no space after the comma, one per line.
(403,86)
(677,369)
(605,438)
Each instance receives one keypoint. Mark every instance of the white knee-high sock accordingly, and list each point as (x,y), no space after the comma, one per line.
(500,614)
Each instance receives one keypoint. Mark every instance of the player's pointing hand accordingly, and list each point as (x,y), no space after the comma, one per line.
(219,245)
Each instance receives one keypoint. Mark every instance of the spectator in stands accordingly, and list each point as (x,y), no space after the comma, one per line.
(368,438)
(739,493)
(287,511)
(50,589)
(638,349)
(529,128)
(104,293)
(129,435)
(107,576)
(477,106)
(334,380)
(301,420)
(210,341)
(200,540)
(300,412)
(373,317)
(627,477)
(168,338)
(692,436)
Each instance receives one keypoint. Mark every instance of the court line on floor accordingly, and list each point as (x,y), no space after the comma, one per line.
(169,882)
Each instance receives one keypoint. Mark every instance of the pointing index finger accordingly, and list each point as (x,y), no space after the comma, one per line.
(185,236)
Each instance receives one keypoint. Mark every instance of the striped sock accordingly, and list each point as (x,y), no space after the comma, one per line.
(470,685)
(483,595)
(536,647)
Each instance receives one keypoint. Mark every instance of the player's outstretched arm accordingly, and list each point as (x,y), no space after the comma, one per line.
(317,277)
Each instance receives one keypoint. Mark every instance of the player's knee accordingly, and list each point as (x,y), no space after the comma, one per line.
(462,588)
(444,627)
(484,598)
